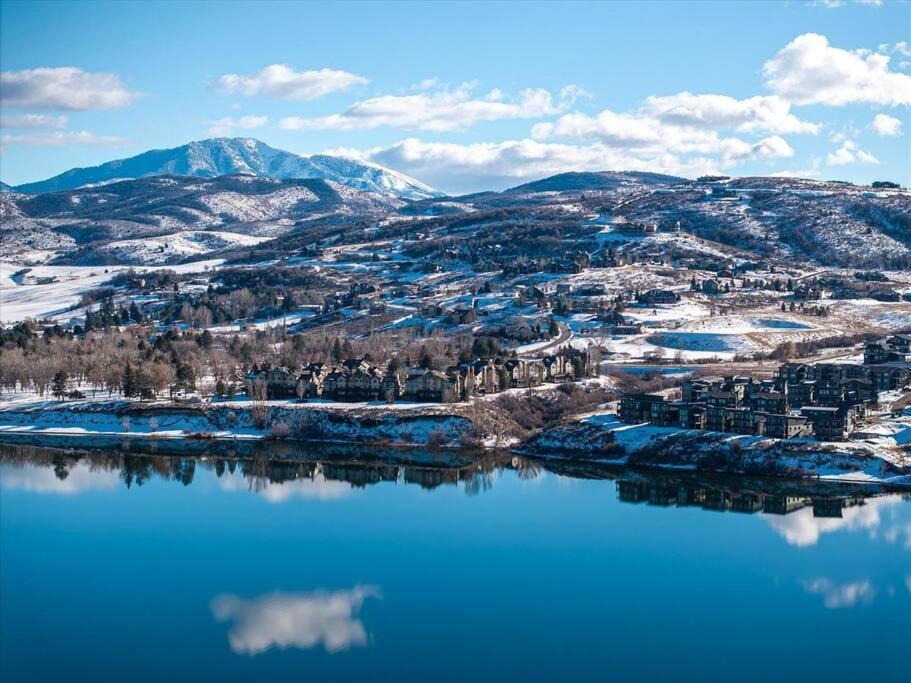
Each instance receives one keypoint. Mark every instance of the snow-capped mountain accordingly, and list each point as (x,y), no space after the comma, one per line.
(225,156)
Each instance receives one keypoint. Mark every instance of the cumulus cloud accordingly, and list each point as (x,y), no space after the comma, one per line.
(299,620)
(653,136)
(228,125)
(886,126)
(841,595)
(65,88)
(282,82)
(30,121)
(443,109)
(810,71)
(496,165)
(755,114)
(850,153)
(61,138)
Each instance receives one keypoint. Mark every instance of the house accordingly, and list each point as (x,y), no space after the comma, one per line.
(569,364)
(711,286)
(431,386)
(658,296)
(771,402)
(357,380)
(430,310)
(785,426)
(829,422)
(270,383)
(523,374)
(310,381)
(637,408)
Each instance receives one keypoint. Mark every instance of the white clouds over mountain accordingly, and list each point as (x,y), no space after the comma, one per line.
(466,167)
(440,110)
(282,82)
(64,88)
(808,70)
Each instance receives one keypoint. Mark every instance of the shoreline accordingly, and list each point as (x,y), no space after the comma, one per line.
(723,462)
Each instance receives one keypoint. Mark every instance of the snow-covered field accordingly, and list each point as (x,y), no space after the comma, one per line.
(56,298)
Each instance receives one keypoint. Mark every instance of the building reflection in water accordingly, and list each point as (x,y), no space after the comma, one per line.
(798,509)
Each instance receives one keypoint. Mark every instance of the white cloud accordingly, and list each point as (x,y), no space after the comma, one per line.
(835,4)
(66,88)
(282,82)
(652,136)
(228,125)
(299,620)
(886,126)
(755,114)
(31,121)
(850,153)
(841,595)
(440,110)
(810,71)
(496,165)
(61,138)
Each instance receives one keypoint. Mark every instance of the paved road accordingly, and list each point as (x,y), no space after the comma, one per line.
(565,335)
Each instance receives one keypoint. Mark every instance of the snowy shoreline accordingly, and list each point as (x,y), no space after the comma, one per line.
(597,438)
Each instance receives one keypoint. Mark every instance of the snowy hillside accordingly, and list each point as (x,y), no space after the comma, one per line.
(152,220)
(225,156)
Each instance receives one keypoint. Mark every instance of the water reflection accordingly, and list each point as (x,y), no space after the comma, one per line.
(75,478)
(298,620)
(841,595)
(800,511)
(805,526)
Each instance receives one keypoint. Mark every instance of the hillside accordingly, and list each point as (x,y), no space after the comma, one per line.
(162,218)
(227,156)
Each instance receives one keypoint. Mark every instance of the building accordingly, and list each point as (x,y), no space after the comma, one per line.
(431,386)
(829,423)
(271,383)
(637,408)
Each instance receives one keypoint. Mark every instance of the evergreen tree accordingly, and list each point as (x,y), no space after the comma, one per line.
(59,383)
(128,382)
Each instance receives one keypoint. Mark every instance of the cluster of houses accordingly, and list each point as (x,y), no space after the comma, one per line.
(358,380)
(825,400)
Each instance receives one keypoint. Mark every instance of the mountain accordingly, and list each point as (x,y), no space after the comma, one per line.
(601,180)
(163,219)
(4,187)
(226,156)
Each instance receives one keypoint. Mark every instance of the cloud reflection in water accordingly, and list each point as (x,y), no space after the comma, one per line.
(298,620)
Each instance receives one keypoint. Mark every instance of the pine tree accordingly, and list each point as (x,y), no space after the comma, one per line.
(128,382)
(59,383)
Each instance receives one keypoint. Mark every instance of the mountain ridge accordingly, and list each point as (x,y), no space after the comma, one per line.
(215,157)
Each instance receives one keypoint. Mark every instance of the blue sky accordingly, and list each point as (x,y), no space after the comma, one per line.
(467,96)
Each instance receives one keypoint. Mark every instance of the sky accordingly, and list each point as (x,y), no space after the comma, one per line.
(467,96)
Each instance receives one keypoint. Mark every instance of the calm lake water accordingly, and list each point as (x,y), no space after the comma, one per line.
(353,565)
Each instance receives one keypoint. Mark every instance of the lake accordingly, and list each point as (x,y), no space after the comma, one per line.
(287,563)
